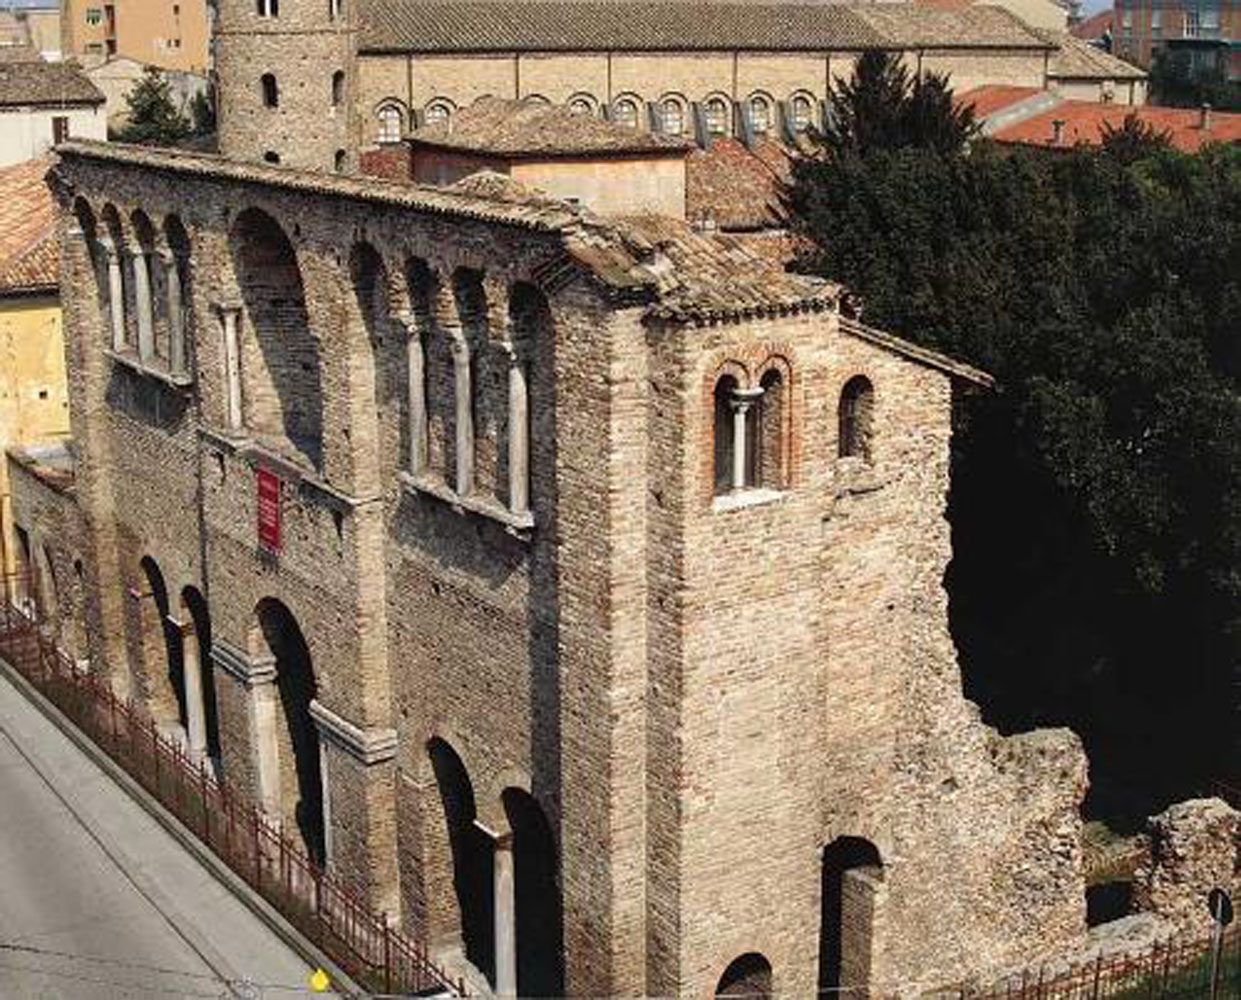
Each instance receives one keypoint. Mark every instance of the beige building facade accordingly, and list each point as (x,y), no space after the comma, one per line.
(170,34)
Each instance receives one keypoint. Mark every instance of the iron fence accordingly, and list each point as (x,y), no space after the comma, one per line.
(315,901)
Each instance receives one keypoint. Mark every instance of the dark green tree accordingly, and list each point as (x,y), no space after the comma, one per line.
(1134,140)
(883,107)
(1096,504)
(202,113)
(1177,81)
(153,119)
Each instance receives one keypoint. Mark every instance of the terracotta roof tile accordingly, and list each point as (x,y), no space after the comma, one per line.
(642,25)
(28,255)
(916,26)
(44,83)
(737,187)
(534,128)
(1084,120)
(988,99)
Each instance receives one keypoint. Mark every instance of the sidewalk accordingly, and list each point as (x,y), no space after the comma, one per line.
(97,898)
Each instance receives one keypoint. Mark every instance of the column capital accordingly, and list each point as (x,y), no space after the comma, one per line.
(252,671)
(367,746)
(109,246)
(226,306)
(742,399)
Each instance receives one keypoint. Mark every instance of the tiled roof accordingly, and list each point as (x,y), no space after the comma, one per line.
(1084,120)
(1078,60)
(993,97)
(19,54)
(913,26)
(737,187)
(28,255)
(44,83)
(642,25)
(535,128)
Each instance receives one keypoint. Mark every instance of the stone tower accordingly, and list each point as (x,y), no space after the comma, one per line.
(286,76)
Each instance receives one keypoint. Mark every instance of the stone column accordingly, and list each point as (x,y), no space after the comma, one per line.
(195,715)
(505,918)
(742,400)
(176,318)
(116,294)
(359,784)
(518,434)
(251,705)
(232,367)
(142,301)
(417,372)
(464,392)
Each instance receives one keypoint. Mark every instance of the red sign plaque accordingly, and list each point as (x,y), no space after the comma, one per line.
(269,510)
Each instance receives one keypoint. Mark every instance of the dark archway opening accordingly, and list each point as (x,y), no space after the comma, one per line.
(748,975)
(540,918)
(1107,902)
(301,784)
(851,871)
(161,649)
(473,859)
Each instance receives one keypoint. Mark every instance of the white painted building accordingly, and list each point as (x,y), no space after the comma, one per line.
(42,103)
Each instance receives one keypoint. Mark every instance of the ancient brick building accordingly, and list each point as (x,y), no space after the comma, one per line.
(571,585)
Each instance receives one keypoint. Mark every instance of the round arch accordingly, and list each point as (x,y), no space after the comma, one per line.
(538,911)
(280,354)
(159,648)
(298,781)
(747,975)
(851,874)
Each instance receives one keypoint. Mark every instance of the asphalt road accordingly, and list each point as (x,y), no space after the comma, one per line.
(97,900)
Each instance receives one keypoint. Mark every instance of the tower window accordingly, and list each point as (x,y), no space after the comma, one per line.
(267,8)
(338,88)
(271,157)
(271,93)
(333,9)
(857,414)
(341,158)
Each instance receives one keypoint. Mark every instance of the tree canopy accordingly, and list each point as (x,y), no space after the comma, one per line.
(1096,504)
(153,119)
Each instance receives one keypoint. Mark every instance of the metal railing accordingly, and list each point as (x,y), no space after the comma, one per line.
(316,902)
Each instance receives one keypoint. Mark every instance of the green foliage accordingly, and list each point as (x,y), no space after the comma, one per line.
(1176,82)
(882,107)
(1096,504)
(1134,140)
(154,119)
(202,113)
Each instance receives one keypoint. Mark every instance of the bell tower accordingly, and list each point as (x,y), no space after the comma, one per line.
(287,77)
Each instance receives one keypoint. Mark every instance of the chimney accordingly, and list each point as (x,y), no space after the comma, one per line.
(1057,131)
(1204,120)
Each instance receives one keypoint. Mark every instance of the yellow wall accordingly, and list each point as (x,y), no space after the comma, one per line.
(34,403)
(172,34)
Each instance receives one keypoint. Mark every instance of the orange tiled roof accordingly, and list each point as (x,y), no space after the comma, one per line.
(1084,120)
(993,97)
(28,255)
(739,188)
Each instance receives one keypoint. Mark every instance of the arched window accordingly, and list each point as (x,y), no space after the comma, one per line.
(582,104)
(390,123)
(747,976)
(736,438)
(267,8)
(672,116)
(334,9)
(338,88)
(772,436)
(438,111)
(717,115)
(271,92)
(625,111)
(271,157)
(802,109)
(342,158)
(760,114)
(857,408)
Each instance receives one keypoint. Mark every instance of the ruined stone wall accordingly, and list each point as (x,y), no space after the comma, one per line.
(821,696)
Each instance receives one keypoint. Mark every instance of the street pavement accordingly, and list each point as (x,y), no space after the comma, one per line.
(97,900)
